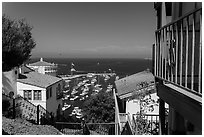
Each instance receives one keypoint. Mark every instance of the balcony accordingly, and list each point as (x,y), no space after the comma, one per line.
(177,54)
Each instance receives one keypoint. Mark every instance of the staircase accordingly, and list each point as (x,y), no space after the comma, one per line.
(20,107)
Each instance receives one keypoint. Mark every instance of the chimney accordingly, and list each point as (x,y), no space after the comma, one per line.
(41,59)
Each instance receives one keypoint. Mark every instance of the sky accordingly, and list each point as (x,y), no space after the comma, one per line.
(88,29)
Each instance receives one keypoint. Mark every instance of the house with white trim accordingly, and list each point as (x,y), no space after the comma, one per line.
(41,89)
(130,88)
(44,67)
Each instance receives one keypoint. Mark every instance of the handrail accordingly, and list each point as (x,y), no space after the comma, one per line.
(129,122)
(29,107)
(180,18)
(117,117)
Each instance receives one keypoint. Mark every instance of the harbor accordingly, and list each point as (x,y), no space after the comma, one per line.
(79,88)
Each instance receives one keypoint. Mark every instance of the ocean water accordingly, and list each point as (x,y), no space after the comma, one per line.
(121,67)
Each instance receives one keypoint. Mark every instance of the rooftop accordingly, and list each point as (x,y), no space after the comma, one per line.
(42,63)
(38,79)
(134,82)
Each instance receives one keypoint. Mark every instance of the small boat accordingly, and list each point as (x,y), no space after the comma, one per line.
(78,116)
(65,107)
(74,92)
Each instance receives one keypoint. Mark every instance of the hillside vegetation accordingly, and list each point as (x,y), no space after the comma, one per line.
(23,127)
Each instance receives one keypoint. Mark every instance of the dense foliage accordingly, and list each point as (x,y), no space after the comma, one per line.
(22,127)
(99,108)
(143,126)
(17,43)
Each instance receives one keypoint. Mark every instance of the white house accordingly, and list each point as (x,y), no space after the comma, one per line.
(130,89)
(44,67)
(41,89)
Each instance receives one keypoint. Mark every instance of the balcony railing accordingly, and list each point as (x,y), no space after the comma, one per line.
(177,52)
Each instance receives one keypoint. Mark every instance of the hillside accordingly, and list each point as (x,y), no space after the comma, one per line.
(23,127)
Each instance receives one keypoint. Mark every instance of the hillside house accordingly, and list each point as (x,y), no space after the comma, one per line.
(130,92)
(41,89)
(44,67)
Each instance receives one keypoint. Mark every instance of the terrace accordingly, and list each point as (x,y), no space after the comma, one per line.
(177,54)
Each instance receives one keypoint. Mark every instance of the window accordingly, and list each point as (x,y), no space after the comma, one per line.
(47,93)
(58,91)
(27,94)
(37,95)
(59,88)
(51,92)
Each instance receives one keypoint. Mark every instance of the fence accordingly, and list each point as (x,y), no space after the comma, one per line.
(88,128)
(20,107)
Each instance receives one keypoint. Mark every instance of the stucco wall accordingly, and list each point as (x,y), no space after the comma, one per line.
(52,103)
(22,86)
(133,106)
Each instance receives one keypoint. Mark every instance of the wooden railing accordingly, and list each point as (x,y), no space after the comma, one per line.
(117,116)
(126,122)
(177,52)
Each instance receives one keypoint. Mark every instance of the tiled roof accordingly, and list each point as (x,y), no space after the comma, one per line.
(130,84)
(38,79)
(41,63)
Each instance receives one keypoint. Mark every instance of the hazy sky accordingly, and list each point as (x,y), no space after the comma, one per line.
(111,30)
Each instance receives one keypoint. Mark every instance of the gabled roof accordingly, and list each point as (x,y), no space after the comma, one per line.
(41,63)
(38,79)
(133,83)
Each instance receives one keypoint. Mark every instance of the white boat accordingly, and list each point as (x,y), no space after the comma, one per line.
(76,108)
(78,116)
(82,98)
(74,98)
(86,85)
(98,85)
(74,92)
(66,105)
(84,81)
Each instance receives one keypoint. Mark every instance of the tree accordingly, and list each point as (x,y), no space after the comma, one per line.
(99,108)
(17,43)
